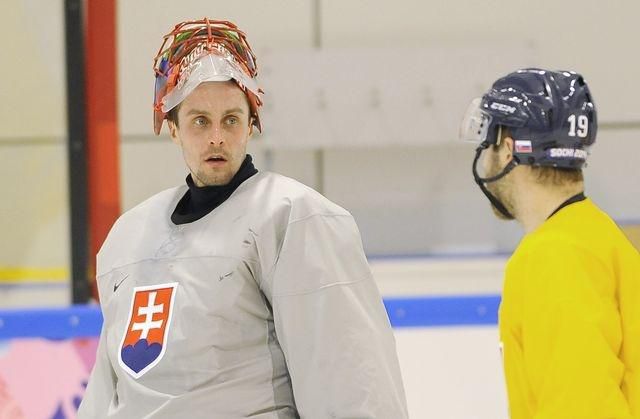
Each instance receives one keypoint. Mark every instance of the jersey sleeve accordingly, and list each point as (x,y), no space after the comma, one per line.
(332,325)
(101,388)
(571,335)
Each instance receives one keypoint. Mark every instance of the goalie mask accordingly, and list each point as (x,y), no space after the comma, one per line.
(200,51)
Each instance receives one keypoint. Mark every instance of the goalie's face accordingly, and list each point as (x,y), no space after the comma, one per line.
(212,129)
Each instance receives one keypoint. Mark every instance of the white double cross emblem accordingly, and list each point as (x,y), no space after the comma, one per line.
(148,312)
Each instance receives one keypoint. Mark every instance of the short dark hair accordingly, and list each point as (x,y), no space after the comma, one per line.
(172,115)
(557,176)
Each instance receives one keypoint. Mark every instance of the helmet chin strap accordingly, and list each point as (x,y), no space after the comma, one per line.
(483,181)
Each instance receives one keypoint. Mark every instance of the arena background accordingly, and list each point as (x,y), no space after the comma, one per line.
(363,100)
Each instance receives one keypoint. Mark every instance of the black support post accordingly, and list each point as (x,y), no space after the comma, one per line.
(77,150)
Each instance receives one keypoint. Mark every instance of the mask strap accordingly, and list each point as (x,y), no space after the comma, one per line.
(483,181)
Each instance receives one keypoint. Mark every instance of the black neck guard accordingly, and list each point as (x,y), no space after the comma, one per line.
(200,201)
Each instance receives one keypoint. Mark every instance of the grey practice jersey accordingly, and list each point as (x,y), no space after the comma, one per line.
(264,308)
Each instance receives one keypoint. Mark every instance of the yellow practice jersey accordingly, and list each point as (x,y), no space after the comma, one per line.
(570,320)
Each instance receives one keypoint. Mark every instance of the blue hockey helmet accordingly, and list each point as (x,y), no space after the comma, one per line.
(549,114)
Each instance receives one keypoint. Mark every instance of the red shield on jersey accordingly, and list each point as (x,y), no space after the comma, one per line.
(144,341)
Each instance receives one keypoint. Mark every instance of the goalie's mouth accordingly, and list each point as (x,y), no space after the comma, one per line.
(216,160)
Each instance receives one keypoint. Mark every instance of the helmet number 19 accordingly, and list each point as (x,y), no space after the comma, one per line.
(582,123)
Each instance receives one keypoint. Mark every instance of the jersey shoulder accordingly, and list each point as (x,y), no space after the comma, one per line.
(159,205)
(580,246)
(151,215)
(299,199)
(578,228)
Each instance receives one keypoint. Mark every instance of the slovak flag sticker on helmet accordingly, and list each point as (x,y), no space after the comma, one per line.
(523,146)
(145,338)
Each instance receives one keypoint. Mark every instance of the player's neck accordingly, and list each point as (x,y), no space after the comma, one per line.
(536,203)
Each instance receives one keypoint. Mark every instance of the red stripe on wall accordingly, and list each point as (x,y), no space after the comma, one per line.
(102,122)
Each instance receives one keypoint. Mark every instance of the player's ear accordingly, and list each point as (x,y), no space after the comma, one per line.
(507,148)
(173,132)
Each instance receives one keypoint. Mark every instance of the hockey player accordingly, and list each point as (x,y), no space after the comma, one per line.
(570,313)
(243,293)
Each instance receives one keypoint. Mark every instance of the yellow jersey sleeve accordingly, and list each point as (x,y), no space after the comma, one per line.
(561,333)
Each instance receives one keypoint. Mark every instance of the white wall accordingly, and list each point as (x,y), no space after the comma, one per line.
(33,174)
